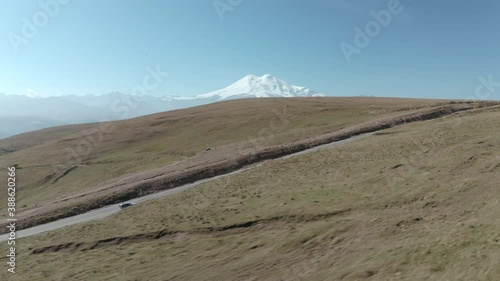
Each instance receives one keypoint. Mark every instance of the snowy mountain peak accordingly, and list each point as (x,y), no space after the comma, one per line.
(259,87)
(42,112)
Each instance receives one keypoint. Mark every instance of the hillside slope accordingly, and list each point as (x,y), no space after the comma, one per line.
(68,160)
(415,202)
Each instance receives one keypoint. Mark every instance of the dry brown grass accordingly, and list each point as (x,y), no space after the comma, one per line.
(416,202)
(48,171)
(209,163)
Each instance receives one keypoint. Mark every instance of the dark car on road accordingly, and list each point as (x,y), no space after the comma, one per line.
(125,205)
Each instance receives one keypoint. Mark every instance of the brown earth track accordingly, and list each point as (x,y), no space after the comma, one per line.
(206,166)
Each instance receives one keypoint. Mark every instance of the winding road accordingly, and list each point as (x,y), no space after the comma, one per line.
(112,209)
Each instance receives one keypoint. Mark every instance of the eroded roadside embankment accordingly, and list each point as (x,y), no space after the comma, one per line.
(149,236)
(165,181)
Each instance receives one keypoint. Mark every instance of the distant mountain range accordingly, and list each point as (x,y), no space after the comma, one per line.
(23,113)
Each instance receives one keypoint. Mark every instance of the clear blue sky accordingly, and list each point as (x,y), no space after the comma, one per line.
(431,49)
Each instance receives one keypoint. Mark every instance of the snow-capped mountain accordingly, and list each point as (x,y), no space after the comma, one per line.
(22,113)
(260,87)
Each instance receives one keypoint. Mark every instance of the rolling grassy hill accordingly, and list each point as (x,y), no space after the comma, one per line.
(415,202)
(65,161)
